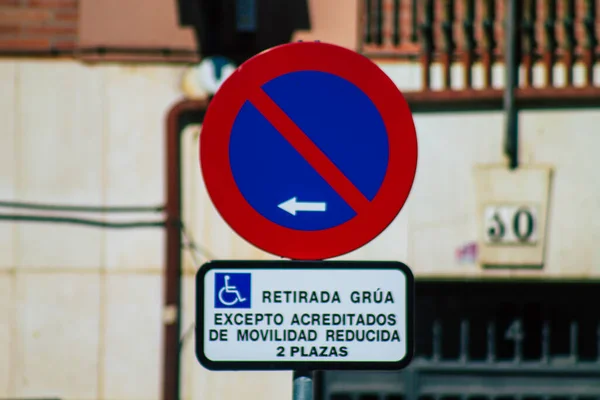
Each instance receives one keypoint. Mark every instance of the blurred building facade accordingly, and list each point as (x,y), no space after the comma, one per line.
(85,89)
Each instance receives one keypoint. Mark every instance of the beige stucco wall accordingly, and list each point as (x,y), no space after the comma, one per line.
(108,24)
(80,308)
(333,21)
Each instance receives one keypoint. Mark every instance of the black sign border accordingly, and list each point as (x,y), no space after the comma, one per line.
(304,365)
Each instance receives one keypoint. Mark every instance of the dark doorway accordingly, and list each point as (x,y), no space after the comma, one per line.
(492,340)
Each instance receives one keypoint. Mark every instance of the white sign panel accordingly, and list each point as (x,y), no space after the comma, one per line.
(256,315)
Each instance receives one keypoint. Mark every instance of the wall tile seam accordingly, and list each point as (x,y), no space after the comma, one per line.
(80,271)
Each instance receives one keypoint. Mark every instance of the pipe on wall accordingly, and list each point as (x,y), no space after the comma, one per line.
(184,112)
(511,139)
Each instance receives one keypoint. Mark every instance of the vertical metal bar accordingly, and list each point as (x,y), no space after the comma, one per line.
(491,342)
(598,343)
(396,19)
(573,334)
(303,385)
(519,343)
(550,39)
(511,66)
(589,24)
(529,42)
(427,38)
(469,41)
(464,341)
(411,382)
(368,21)
(545,342)
(318,378)
(415,21)
(379,23)
(437,341)
(448,40)
(488,41)
(569,44)
(515,333)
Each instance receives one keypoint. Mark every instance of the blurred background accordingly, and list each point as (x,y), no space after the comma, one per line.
(104,218)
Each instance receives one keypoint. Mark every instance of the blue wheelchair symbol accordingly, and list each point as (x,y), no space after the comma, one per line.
(232,290)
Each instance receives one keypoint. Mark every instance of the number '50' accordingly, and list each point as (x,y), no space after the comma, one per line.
(522,225)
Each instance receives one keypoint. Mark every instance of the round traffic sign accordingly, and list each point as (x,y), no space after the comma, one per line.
(308,151)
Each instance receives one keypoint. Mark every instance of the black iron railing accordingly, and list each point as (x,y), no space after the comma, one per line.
(470,31)
(492,341)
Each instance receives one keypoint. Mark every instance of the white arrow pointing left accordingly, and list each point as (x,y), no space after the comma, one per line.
(292,206)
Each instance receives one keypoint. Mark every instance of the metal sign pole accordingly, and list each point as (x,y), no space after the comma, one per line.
(303,385)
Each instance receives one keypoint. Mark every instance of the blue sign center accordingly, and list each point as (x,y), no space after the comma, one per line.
(276,179)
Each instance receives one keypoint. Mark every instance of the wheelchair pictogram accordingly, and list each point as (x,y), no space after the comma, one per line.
(232,290)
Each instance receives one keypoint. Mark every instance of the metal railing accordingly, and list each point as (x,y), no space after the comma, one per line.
(492,341)
(472,31)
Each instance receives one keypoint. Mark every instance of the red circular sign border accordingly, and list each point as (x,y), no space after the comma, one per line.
(274,238)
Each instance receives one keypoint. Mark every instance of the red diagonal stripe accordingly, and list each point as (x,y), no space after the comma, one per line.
(307,149)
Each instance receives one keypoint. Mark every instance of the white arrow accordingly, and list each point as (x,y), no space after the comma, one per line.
(292,206)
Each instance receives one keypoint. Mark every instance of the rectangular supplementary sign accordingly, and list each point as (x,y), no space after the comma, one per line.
(285,315)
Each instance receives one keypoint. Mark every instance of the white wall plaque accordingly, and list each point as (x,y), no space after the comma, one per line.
(512,208)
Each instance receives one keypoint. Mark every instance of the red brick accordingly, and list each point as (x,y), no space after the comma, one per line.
(9,30)
(65,45)
(24,44)
(53,3)
(15,15)
(49,30)
(13,3)
(66,15)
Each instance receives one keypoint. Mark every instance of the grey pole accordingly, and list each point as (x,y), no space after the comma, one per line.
(303,385)
(511,64)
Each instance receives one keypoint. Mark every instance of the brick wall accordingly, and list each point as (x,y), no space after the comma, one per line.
(38,25)
(95,30)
